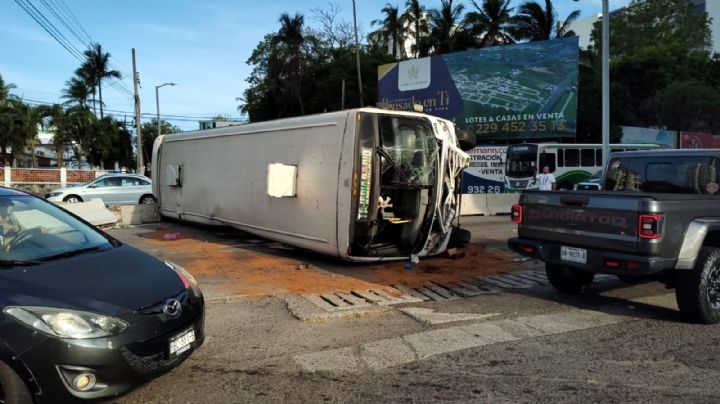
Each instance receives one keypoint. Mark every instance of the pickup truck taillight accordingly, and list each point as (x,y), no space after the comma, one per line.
(516,213)
(650,226)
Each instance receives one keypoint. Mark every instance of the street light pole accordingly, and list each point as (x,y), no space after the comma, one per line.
(605,82)
(357,55)
(157,102)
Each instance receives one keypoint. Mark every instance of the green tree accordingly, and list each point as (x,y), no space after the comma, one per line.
(491,22)
(415,15)
(392,32)
(77,91)
(97,68)
(649,23)
(149,134)
(288,66)
(535,23)
(5,90)
(659,57)
(448,31)
(59,123)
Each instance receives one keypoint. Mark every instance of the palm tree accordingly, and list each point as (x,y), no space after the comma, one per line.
(535,23)
(96,68)
(31,120)
(77,90)
(392,31)
(491,22)
(5,90)
(62,135)
(415,15)
(290,53)
(447,30)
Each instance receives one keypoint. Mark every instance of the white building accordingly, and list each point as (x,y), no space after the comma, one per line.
(583,27)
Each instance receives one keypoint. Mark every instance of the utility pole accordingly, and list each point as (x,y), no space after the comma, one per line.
(605,82)
(138,125)
(357,55)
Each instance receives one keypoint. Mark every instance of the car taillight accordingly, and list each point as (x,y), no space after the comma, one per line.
(650,226)
(516,214)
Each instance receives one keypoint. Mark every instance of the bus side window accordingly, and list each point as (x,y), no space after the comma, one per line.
(572,158)
(598,157)
(561,157)
(587,158)
(547,159)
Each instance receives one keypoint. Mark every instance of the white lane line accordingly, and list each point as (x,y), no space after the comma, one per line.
(396,351)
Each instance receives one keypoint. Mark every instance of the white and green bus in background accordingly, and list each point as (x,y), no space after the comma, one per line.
(569,163)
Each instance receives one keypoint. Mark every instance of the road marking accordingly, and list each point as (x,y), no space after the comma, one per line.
(431,317)
(396,351)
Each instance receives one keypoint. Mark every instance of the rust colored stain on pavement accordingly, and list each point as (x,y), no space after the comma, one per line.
(239,268)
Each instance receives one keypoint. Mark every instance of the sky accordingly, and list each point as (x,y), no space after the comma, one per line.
(200,45)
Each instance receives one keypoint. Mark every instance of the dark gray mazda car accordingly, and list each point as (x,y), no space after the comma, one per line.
(83,316)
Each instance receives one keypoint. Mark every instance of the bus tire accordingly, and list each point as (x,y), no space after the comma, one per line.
(466,139)
(565,186)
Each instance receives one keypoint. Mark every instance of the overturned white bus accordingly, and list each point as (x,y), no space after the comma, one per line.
(363,185)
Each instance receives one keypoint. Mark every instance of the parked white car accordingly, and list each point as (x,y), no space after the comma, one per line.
(113,189)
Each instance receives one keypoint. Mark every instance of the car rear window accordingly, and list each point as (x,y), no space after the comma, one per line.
(676,175)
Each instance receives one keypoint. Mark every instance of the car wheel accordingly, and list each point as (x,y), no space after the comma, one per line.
(72,199)
(568,280)
(147,200)
(12,389)
(698,290)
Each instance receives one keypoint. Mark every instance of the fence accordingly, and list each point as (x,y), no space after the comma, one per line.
(47,176)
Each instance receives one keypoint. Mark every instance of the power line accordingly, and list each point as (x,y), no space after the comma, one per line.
(56,34)
(29,12)
(144,114)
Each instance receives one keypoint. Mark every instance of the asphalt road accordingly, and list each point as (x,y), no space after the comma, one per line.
(616,343)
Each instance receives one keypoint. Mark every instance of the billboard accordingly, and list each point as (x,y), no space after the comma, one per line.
(486,174)
(520,91)
(699,140)
(632,134)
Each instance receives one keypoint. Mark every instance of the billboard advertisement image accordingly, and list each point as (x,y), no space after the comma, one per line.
(520,91)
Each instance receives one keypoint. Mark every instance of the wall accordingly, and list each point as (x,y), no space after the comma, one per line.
(40,181)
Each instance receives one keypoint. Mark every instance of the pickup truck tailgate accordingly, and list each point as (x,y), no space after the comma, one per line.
(586,219)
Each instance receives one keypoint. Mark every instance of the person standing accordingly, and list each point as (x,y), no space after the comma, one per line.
(546,181)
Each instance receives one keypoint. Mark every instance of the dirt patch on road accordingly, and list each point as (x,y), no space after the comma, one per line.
(239,267)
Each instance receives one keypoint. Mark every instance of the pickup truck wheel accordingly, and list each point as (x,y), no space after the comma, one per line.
(698,290)
(568,280)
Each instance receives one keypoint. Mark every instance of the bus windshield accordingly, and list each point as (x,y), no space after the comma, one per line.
(521,161)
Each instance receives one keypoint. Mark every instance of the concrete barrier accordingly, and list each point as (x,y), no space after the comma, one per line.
(93,211)
(136,214)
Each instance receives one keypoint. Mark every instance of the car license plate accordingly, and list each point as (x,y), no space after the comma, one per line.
(182,342)
(572,254)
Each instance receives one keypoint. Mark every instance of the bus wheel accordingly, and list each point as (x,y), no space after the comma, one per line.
(565,186)
(466,139)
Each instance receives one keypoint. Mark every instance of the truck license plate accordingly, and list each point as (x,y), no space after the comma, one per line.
(182,342)
(572,254)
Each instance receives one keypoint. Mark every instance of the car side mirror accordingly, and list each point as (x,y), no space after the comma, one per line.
(92,186)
